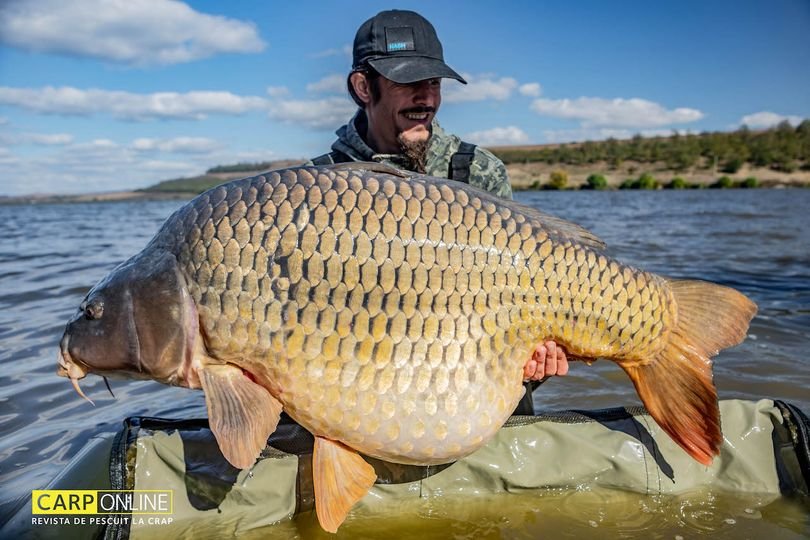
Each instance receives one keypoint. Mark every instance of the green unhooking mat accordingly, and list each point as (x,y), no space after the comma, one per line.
(765,450)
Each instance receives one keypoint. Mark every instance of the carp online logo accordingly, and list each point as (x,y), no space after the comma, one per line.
(89,501)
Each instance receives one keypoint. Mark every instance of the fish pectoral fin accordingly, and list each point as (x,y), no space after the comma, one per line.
(241,413)
(341,478)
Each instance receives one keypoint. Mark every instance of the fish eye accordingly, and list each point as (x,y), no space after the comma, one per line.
(93,310)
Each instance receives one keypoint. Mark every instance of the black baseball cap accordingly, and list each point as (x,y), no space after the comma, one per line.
(402,46)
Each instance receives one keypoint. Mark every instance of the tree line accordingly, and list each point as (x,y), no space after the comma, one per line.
(241,167)
(783,148)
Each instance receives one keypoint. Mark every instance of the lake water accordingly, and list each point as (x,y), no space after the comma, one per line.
(755,241)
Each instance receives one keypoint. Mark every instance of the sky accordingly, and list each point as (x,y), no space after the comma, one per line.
(108,95)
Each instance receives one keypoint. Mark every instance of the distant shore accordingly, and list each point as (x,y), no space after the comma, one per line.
(537,175)
(112,196)
(523,176)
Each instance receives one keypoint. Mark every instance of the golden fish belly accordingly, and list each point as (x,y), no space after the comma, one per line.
(419,413)
(395,314)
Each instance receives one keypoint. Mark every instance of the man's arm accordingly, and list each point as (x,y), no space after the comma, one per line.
(489,173)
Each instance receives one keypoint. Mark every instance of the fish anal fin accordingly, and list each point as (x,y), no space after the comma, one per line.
(241,413)
(341,478)
(677,387)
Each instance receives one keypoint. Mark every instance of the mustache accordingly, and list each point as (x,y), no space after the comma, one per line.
(419,110)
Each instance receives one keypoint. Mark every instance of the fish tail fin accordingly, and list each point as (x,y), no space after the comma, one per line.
(677,387)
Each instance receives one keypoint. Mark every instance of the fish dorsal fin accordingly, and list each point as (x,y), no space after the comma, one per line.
(241,413)
(563,229)
(341,478)
(371,166)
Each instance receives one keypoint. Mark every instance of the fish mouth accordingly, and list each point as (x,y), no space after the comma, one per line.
(70,369)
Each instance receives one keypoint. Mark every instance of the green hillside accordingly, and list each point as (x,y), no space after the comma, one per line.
(192,184)
(217,175)
(783,148)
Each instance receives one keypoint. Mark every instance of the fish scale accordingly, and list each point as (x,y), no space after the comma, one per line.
(404,303)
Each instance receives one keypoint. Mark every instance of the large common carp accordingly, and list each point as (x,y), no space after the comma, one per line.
(389,314)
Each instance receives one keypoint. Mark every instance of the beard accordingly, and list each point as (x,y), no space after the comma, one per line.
(415,153)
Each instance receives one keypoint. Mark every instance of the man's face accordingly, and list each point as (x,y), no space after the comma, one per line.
(402,113)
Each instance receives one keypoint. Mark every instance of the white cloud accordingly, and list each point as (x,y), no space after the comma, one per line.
(345,50)
(249,156)
(331,84)
(165,166)
(7,158)
(598,134)
(277,91)
(43,139)
(766,119)
(95,166)
(325,113)
(67,100)
(3,120)
(184,145)
(530,89)
(102,165)
(98,144)
(478,88)
(498,136)
(195,105)
(618,112)
(133,32)
(48,139)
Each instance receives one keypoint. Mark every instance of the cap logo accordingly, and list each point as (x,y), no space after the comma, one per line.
(399,39)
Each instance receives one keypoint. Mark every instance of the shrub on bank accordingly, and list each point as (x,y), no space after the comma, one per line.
(596,181)
(557,180)
(677,183)
(647,181)
(724,182)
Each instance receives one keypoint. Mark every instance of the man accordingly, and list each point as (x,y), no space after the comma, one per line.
(397,68)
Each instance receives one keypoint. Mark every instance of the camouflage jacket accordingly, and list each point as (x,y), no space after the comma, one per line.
(486,171)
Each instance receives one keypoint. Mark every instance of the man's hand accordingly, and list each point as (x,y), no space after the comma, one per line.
(547,359)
